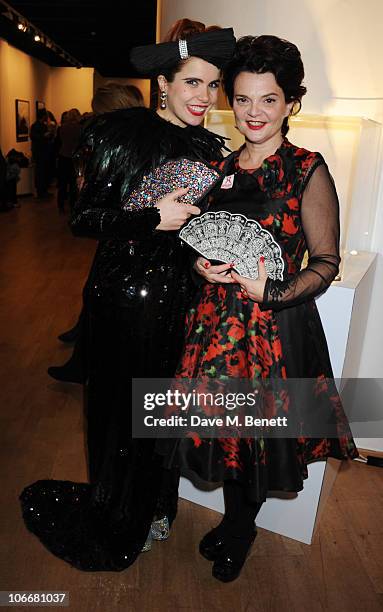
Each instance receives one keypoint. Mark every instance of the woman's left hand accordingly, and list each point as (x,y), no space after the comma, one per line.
(252,289)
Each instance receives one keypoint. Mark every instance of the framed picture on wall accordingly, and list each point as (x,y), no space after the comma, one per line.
(39,105)
(22,120)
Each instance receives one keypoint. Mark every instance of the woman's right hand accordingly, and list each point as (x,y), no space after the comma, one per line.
(214,274)
(173,213)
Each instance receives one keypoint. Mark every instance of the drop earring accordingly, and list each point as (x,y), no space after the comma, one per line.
(163,97)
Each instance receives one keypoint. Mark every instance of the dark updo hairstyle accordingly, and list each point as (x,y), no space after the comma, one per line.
(262,54)
(183,29)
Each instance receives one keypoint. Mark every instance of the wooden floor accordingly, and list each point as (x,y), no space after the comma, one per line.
(42,270)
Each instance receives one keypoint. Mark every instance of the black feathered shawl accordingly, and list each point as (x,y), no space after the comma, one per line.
(122,147)
(128,143)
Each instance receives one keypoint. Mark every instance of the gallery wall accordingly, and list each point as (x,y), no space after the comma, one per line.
(340,41)
(26,78)
(70,88)
(21,77)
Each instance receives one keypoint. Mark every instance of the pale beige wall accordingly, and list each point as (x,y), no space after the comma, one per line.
(71,88)
(340,41)
(22,77)
(26,78)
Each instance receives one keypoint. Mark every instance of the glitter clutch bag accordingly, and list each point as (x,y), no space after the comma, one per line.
(224,237)
(171,175)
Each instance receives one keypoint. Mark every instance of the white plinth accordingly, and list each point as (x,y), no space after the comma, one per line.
(343,309)
(25,185)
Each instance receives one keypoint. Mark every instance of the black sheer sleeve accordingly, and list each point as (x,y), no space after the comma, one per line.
(98,214)
(320,222)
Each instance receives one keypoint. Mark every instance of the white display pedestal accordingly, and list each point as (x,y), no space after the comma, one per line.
(25,184)
(343,309)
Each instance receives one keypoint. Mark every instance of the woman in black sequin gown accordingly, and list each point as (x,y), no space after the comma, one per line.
(138,296)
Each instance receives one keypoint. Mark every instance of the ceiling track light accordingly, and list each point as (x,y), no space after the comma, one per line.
(23,25)
(7,14)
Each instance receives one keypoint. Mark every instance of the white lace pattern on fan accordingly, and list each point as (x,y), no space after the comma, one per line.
(234,238)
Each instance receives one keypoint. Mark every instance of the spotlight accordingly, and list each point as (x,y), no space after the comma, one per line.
(23,25)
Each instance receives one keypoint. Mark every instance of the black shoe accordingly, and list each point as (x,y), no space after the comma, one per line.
(229,563)
(66,374)
(69,336)
(213,543)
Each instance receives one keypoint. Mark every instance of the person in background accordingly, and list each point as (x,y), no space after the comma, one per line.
(52,123)
(114,96)
(52,153)
(41,138)
(3,178)
(106,99)
(15,160)
(57,140)
(70,131)
(86,116)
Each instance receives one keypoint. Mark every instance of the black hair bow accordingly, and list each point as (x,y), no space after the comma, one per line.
(215,47)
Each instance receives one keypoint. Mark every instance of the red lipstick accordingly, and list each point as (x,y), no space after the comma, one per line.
(197,113)
(255,127)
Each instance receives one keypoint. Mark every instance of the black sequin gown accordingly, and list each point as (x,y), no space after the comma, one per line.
(137,297)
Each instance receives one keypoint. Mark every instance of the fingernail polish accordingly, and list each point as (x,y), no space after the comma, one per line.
(262,259)
(207,264)
(231,265)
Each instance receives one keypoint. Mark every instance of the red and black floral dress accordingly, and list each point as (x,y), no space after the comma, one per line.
(292,195)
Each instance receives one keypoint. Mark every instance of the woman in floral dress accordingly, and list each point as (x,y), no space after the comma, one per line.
(265,329)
